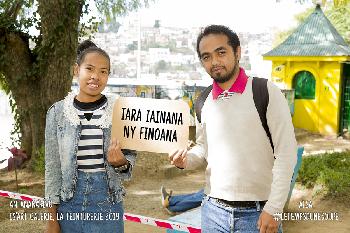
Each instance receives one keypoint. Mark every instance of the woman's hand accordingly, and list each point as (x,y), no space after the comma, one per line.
(53,226)
(115,155)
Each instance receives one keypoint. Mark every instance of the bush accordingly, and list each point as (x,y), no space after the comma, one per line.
(332,171)
(310,170)
(336,182)
(39,163)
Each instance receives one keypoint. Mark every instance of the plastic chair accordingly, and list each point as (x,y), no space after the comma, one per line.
(295,174)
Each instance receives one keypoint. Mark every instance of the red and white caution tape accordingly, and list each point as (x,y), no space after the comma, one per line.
(19,196)
(128,217)
(161,223)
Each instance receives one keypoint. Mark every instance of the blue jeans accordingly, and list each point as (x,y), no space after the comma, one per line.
(90,209)
(182,203)
(218,217)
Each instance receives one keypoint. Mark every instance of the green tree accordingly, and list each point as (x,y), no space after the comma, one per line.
(132,46)
(338,12)
(112,26)
(340,18)
(335,3)
(281,36)
(157,23)
(36,70)
(160,66)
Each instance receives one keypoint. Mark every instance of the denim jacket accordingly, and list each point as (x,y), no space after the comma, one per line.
(62,135)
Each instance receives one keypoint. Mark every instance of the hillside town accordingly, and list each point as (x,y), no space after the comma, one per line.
(169,53)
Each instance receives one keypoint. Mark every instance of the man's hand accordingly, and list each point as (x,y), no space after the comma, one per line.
(267,224)
(178,158)
(115,155)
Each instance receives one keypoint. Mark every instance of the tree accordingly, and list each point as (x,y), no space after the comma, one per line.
(281,36)
(157,23)
(160,66)
(112,26)
(335,3)
(340,18)
(36,70)
(338,12)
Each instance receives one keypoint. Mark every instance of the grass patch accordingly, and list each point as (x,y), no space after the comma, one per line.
(332,171)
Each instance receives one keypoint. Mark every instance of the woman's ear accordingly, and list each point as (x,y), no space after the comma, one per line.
(75,69)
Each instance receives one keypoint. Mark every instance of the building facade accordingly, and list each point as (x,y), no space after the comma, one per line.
(315,62)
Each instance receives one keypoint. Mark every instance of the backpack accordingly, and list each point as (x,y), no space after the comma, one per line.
(261,101)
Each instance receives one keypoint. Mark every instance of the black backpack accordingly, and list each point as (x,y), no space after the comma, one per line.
(261,101)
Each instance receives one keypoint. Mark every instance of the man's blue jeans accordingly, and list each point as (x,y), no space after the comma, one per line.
(218,217)
(182,203)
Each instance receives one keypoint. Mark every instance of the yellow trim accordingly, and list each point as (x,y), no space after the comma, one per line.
(323,58)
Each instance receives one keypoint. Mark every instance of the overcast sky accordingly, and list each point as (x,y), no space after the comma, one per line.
(240,15)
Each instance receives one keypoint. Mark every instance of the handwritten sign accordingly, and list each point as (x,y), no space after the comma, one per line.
(154,125)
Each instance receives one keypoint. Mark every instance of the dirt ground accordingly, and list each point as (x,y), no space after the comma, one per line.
(153,170)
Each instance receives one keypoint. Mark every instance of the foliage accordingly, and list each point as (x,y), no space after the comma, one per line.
(161,65)
(340,18)
(3,84)
(335,3)
(39,164)
(112,26)
(332,171)
(156,23)
(338,13)
(38,40)
(110,8)
(133,46)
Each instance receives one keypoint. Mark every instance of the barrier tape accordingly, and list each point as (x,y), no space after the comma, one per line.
(127,217)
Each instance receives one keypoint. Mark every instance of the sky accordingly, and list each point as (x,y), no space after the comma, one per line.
(240,15)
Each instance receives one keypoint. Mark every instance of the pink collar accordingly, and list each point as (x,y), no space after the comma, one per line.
(238,86)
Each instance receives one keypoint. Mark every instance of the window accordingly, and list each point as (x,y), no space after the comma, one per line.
(304,84)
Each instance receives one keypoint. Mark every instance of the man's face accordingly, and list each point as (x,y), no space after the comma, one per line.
(218,57)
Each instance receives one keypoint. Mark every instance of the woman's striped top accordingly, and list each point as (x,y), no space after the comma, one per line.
(90,147)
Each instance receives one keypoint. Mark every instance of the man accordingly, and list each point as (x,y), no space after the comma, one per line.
(247,181)
(175,204)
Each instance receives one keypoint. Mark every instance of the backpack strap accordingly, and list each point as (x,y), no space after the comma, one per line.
(261,101)
(198,105)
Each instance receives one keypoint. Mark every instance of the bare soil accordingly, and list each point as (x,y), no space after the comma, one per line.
(153,170)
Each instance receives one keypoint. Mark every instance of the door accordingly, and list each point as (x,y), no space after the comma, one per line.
(345,109)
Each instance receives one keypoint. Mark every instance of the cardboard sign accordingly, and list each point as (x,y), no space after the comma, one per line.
(154,125)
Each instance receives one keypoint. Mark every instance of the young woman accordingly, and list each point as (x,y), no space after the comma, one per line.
(84,167)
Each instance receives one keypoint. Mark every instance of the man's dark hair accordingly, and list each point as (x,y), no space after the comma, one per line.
(233,39)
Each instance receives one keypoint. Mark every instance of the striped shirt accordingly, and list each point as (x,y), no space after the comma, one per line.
(90,147)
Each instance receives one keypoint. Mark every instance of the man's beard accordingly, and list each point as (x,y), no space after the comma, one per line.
(227,77)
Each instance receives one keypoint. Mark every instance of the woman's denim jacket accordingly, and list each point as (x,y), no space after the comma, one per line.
(62,135)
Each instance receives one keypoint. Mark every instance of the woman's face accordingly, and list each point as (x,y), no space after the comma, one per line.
(92,76)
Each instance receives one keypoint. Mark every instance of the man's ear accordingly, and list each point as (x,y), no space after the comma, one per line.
(238,53)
